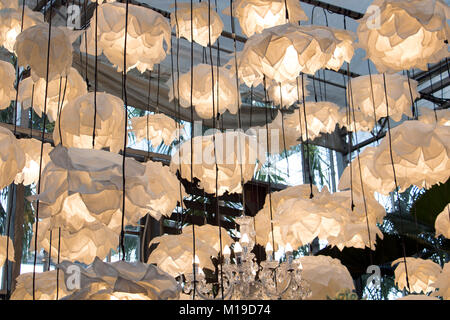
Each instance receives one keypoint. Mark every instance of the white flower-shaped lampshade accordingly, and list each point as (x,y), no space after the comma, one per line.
(298,220)
(325,276)
(122,280)
(373,102)
(148,38)
(356,120)
(321,117)
(202,29)
(12,157)
(442,223)
(7,79)
(174,253)
(288,93)
(14,4)
(443,283)
(45,286)
(404,34)
(32,45)
(422,274)
(256,15)
(3,244)
(421,157)
(282,52)
(32,150)
(11,22)
(233,151)
(157,128)
(429,116)
(83,244)
(57,90)
(77,122)
(202,96)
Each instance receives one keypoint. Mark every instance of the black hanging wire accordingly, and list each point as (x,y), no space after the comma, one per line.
(31,111)
(282,128)
(307,160)
(95,75)
(192,141)
(373,102)
(58,259)
(414,110)
(86,44)
(395,180)
(431,86)
(352,110)
(124,86)
(214,143)
(233,35)
(44,118)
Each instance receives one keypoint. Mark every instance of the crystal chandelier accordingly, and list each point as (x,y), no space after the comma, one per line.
(243,278)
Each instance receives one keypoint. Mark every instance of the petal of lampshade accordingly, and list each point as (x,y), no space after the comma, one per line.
(32,150)
(12,157)
(121,280)
(443,283)
(7,79)
(422,274)
(442,223)
(430,116)
(256,15)
(11,24)
(325,276)
(32,45)
(77,121)
(45,286)
(356,120)
(158,128)
(69,88)
(280,53)
(148,38)
(234,150)
(174,253)
(225,95)
(321,117)
(368,95)
(205,24)
(14,4)
(6,242)
(288,93)
(405,34)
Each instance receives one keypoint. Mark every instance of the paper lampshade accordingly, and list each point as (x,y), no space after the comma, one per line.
(420,153)
(32,151)
(174,253)
(289,94)
(405,34)
(321,117)
(148,38)
(157,127)
(7,79)
(442,223)
(280,53)
(96,176)
(233,151)
(45,286)
(56,91)
(417,297)
(443,283)
(14,4)
(429,116)
(82,244)
(3,244)
(122,280)
(256,15)
(422,274)
(202,28)
(12,158)
(202,96)
(11,23)
(325,276)
(398,95)
(32,45)
(298,220)
(356,120)
(77,122)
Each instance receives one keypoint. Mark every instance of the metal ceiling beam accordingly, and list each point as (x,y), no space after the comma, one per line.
(335,9)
